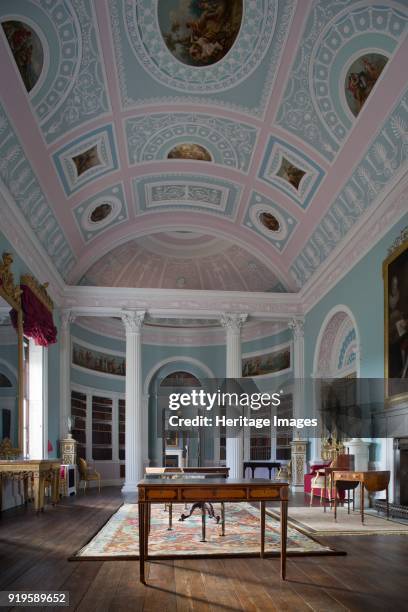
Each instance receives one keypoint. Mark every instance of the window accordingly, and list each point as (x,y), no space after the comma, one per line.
(101,428)
(78,413)
(121,428)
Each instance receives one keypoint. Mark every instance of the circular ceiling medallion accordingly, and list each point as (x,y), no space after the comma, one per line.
(189,151)
(199,33)
(223,44)
(269,221)
(100,212)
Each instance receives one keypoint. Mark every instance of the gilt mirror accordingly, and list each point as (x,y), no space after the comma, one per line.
(11,363)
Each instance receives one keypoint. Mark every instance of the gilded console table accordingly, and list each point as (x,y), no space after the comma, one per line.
(216,490)
(38,471)
(372,480)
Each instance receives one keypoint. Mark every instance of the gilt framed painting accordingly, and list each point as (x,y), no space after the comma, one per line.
(395,274)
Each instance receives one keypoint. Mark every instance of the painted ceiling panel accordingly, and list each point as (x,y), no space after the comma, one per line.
(228,144)
(314,105)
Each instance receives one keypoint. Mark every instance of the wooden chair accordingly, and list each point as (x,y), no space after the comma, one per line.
(86,474)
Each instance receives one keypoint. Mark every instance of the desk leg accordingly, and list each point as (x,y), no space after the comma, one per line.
(253,472)
(362,501)
(146,530)
(262,529)
(55,486)
(202,522)
(142,542)
(388,503)
(36,487)
(284,535)
(223,518)
(170,527)
(335,500)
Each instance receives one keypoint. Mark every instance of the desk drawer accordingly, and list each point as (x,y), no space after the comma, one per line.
(212,494)
(264,492)
(161,494)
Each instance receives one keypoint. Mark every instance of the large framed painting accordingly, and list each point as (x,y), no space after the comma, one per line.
(395,273)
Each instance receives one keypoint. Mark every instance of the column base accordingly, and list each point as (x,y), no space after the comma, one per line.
(297,487)
(129,492)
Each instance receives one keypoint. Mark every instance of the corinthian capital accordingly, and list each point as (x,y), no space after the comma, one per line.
(66,317)
(133,320)
(232,321)
(296,325)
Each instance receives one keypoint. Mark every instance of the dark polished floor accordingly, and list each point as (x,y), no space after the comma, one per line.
(34,551)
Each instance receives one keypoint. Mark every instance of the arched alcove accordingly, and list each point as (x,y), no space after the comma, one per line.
(193,372)
(337,352)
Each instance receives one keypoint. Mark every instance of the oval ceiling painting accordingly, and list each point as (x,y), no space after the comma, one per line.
(361,78)
(27,51)
(189,151)
(198,32)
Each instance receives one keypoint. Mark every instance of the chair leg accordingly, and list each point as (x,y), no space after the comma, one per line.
(311,496)
(99,485)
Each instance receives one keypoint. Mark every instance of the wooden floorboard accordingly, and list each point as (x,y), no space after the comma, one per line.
(34,552)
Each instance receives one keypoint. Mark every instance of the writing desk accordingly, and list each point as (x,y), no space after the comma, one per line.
(269,465)
(372,480)
(215,490)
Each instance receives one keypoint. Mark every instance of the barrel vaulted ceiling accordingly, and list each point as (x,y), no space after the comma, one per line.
(219,144)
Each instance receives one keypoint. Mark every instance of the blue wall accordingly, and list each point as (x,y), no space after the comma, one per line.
(363,292)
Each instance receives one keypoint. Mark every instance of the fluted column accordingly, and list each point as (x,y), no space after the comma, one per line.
(232,324)
(66,317)
(298,446)
(133,321)
(296,326)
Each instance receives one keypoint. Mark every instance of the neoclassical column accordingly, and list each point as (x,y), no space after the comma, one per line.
(66,317)
(296,326)
(133,321)
(298,446)
(232,323)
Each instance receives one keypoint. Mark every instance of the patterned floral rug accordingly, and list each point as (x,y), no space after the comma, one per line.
(118,539)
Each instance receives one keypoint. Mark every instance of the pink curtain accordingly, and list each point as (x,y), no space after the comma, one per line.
(37,319)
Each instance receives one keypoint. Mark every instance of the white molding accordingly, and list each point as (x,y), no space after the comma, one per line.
(365,234)
(176,358)
(332,312)
(17,231)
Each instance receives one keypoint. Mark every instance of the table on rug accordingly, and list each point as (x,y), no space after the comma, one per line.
(269,465)
(373,481)
(39,471)
(217,490)
(203,472)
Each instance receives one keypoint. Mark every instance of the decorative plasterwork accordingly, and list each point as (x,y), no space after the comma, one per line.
(276,151)
(366,28)
(259,204)
(72,89)
(113,196)
(19,178)
(186,192)
(232,82)
(385,160)
(312,93)
(151,137)
(102,142)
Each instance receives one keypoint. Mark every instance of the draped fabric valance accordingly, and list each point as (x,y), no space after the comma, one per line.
(38,322)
